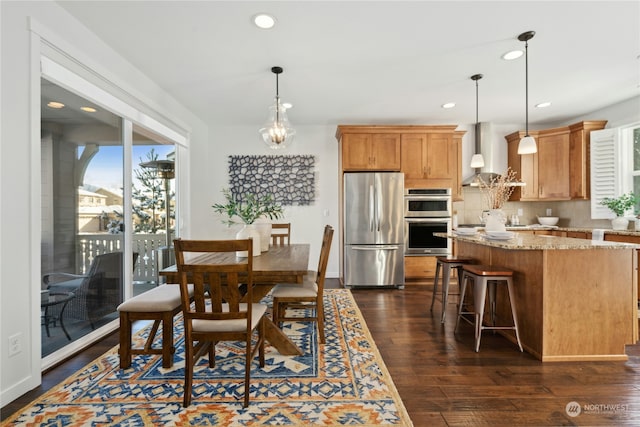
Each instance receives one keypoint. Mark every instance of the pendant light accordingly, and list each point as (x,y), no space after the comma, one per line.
(477,161)
(277,132)
(527,144)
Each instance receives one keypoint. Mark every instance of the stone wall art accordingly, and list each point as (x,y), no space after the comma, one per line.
(289,179)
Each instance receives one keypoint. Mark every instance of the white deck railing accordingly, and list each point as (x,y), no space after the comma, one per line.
(146,245)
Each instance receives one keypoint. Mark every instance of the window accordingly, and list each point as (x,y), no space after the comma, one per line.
(615,166)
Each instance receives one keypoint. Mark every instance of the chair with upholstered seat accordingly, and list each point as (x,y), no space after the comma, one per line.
(217,313)
(281,234)
(308,295)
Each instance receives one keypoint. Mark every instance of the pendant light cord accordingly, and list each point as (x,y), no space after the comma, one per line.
(277,100)
(526,84)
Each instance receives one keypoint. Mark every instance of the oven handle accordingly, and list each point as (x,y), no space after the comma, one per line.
(376,248)
(438,219)
(436,198)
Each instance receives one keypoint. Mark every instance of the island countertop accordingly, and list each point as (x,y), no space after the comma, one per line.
(525,241)
(576,299)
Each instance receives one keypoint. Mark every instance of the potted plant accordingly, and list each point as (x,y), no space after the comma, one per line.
(248,209)
(620,205)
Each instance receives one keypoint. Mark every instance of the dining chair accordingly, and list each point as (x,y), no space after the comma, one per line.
(217,313)
(308,295)
(281,234)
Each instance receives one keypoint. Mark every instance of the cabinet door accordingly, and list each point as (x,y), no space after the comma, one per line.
(385,151)
(553,166)
(529,174)
(356,151)
(440,161)
(412,151)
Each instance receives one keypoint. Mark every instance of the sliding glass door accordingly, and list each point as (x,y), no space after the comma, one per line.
(107,192)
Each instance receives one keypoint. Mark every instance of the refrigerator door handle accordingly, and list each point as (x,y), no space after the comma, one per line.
(376,248)
(378,207)
(371,208)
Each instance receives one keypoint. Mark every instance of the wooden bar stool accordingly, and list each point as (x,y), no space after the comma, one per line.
(447,263)
(486,276)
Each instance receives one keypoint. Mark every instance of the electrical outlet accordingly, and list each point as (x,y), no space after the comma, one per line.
(15,344)
(520,212)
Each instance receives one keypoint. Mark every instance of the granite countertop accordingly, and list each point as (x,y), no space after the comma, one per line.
(544,227)
(526,241)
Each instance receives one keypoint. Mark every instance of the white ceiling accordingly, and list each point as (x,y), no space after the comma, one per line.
(378,62)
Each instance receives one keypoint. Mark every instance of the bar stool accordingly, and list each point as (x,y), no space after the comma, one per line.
(446,263)
(486,276)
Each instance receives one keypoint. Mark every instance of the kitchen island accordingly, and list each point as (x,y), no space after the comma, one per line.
(576,299)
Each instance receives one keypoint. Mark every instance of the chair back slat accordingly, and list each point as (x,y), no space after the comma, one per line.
(281,234)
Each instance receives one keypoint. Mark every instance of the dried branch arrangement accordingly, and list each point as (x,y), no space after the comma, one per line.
(498,191)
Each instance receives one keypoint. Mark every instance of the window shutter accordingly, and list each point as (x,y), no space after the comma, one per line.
(605,173)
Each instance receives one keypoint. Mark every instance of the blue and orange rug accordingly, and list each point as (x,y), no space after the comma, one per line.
(343,382)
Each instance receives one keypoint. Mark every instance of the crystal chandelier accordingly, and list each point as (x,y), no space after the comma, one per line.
(277,131)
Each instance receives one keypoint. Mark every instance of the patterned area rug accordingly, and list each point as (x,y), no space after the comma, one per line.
(343,382)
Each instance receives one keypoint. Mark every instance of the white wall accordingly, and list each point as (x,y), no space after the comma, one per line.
(20,207)
(209,175)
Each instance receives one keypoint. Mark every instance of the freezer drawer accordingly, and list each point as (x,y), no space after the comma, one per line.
(374,265)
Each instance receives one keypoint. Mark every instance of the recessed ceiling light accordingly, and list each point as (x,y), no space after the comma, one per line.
(88,109)
(543,105)
(514,54)
(264,21)
(449,105)
(56,105)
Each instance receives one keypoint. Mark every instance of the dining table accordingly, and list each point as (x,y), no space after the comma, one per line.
(279,264)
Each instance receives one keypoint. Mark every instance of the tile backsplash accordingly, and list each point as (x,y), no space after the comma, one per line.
(574,213)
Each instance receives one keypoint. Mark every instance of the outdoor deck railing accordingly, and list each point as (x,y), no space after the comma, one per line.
(146,245)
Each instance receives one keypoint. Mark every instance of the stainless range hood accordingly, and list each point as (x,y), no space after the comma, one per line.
(484,146)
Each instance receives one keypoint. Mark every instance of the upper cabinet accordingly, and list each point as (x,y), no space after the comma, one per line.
(371,151)
(560,168)
(429,156)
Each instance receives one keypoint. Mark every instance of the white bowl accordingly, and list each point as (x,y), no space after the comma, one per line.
(500,234)
(465,231)
(548,220)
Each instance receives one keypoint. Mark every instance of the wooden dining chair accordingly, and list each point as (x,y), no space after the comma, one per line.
(217,313)
(308,295)
(281,234)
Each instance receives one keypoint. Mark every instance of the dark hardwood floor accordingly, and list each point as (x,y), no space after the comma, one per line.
(444,382)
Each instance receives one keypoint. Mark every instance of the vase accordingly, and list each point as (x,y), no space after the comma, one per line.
(619,223)
(263,225)
(249,230)
(495,220)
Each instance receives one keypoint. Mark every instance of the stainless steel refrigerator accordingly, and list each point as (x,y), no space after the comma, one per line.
(373,229)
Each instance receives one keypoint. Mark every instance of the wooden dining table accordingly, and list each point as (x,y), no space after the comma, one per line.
(280,264)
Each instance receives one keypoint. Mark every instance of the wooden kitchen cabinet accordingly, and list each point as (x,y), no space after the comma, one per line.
(546,173)
(560,168)
(579,157)
(429,160)
(430,156)
(367,151)
(420,267)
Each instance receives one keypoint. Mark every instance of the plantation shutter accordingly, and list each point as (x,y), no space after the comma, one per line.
(605,171)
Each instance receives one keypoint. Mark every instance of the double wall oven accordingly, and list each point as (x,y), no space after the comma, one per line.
(427,211)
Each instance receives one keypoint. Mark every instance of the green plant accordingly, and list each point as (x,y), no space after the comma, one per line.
(619,205)
(248,208)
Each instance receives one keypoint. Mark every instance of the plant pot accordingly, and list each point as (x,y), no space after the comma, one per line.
(249,230)
(619,223)
(263,225)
